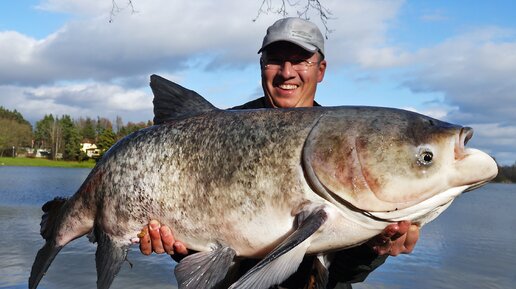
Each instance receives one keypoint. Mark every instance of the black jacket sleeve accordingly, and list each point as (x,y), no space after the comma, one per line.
(353,265)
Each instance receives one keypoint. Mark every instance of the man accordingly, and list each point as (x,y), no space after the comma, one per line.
(292,64)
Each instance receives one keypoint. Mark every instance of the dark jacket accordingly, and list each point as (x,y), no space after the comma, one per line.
(349,266)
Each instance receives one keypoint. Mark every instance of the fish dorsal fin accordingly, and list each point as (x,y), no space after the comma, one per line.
(172,101)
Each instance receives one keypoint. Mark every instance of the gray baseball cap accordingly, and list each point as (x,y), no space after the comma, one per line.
(295,30)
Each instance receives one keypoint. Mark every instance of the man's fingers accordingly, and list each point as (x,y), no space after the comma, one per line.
(145,241)
(401,230)
(180,248)
(390,231)
(412,237)
(167,239)
(155,237)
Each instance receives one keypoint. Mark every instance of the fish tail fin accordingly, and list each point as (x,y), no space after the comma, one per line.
(43,260)
(55,229)
(109,258)
(49,251)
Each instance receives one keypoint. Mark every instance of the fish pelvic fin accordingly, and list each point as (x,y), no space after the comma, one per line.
(284,260)
(319,274)
(172,101)
(108,258)
(43,260)
(204,269)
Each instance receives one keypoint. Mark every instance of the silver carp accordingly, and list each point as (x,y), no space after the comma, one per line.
(269,184)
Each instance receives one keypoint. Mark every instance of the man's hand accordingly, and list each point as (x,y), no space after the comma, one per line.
(396,239)
(159,239)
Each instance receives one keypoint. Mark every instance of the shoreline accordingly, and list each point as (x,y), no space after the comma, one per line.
(37,162)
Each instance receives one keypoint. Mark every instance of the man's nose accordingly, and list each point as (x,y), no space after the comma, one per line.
(287,70)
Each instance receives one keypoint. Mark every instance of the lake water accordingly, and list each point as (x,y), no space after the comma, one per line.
(471,245)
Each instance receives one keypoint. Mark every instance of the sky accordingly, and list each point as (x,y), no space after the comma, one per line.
(452,60)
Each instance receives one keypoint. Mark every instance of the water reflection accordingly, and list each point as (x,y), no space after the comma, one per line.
(471,245)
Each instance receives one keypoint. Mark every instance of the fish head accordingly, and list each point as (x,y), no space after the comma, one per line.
(384,160)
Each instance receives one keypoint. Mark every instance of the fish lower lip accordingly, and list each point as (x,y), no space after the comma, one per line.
(476,186)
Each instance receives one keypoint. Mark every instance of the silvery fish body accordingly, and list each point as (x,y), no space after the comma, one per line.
(273,184)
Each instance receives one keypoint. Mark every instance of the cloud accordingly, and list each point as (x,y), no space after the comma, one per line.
(360,36)
(169,36)
(435,111)
(89,99)
(78,7)
(473,71)
(496,139)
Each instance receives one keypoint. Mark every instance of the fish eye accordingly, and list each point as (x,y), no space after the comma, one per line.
(425,156)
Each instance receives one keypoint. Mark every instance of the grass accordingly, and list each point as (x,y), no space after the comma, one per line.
(37,162)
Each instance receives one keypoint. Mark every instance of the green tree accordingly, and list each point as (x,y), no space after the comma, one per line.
(131,127)
(87,129)
(103,124)
(105,140)
(13,115)
(49,135)
(14,135)
(43,132)
(71,139)
(15,132)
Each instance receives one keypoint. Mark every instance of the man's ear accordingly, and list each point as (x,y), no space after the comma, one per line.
(321,71)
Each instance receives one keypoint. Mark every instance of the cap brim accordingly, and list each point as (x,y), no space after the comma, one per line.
(306,46)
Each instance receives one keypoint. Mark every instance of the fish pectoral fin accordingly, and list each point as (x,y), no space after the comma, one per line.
(204,269)
(108,258)
(284,260)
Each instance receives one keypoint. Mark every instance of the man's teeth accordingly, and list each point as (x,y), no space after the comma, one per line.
(288,86)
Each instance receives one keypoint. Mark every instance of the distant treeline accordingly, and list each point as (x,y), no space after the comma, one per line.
(63,137)
(506,174)
(60,136)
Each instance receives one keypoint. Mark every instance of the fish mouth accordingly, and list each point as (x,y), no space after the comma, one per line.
(476,186)
(466,133)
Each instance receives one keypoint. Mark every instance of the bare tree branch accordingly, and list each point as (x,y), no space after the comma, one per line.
(280,7)
(115,9)
(303,10)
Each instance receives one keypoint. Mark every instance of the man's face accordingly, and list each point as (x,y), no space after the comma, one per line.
(290,82)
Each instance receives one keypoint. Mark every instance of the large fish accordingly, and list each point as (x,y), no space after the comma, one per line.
(272,184)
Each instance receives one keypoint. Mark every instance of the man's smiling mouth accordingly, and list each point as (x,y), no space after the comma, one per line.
(287,86)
